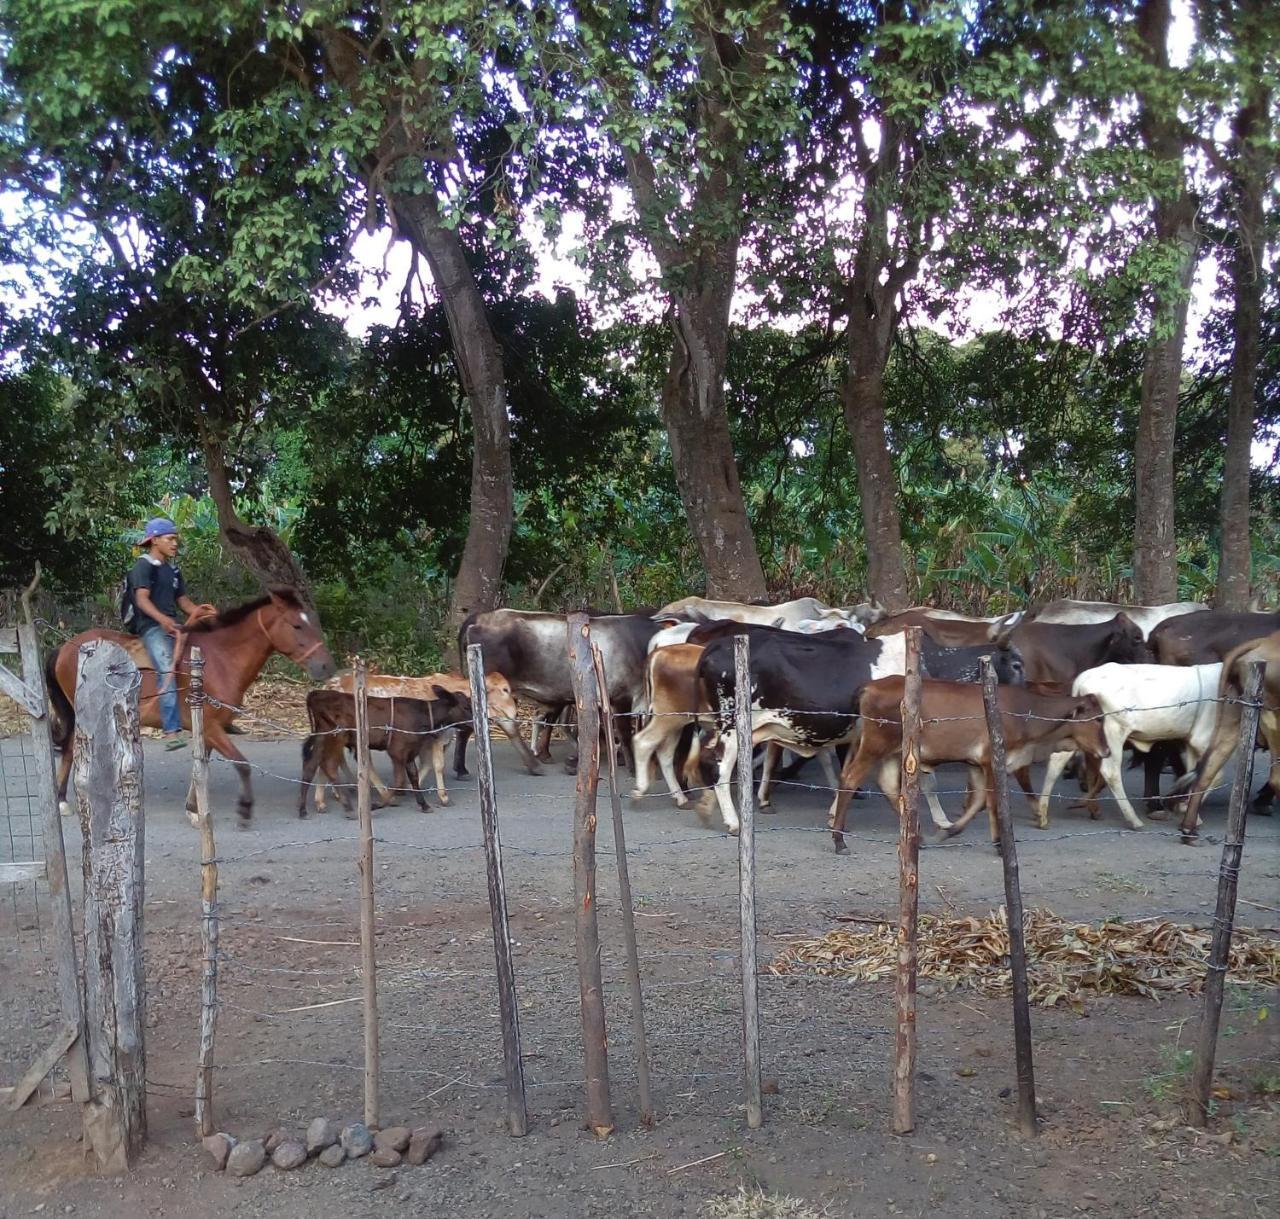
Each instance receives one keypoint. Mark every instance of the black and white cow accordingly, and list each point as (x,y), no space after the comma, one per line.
(805,688)
(531,650)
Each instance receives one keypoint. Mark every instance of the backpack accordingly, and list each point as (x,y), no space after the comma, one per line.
(125,607)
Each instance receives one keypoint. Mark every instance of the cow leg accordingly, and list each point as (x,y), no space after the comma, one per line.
(657,737)
(975,798)
(437,747)
(460,770)
(772,754)
(856,766)
(929,785)
(541,730)
(827,760)
(310,760)
(1112,769)
(1271,735)
(724,779)
(1052,773)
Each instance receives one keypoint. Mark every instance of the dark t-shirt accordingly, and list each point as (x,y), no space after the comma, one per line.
(163,581)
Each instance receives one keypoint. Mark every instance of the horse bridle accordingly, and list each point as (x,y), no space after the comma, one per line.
(315,647)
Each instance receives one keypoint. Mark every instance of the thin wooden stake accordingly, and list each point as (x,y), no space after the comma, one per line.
(624,896)
(904,1056)
(368,954)
(999,795)
(108,784)
(747,880)
(208,898)
(1225,914)
(509,1009)
(70,1000)
(587,928)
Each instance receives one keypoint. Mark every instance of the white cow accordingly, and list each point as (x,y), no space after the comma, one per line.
(1144,704)
(785,615)
(1146,617)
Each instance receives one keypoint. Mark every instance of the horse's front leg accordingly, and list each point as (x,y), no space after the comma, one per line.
(216,736)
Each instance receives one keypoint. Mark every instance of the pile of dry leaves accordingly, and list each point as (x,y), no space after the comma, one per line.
(1065,960)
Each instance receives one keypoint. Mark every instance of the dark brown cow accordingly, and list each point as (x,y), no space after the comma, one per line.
(400,727)
(953,729)
(1204,639)
(1059,652)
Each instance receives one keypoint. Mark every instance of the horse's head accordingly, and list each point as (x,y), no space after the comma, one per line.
(294,631)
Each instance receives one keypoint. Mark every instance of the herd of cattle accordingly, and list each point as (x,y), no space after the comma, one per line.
(1075,677)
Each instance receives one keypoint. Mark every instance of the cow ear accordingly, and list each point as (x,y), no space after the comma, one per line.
(1003,628)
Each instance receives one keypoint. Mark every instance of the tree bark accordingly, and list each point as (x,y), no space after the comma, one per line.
(258,548)
(1155,548)
(702,454)
(1250,171)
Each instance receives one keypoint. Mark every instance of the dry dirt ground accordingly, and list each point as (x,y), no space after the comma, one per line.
(1108,1076)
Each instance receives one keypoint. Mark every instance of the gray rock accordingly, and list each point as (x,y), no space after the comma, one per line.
(219,1146)
(356,1140)
(321,1133)
(289,1154)
(333,1155)
(385,1157)
(246,1158)
(424,1142)
(395,1137)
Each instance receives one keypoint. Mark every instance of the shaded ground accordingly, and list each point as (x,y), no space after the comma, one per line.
(1111,1144)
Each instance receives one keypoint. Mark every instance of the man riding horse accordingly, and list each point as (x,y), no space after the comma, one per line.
(156,592)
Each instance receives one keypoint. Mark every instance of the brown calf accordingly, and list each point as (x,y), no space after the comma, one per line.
(400,727)
(953,729)
(674,700)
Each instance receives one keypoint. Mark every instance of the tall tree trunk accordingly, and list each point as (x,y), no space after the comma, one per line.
(257,548)
(1155,547)
(478,353)
(706,470)
(1251,169)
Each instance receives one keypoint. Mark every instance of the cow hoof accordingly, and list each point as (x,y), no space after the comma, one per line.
(768,809)
(64,808)
(350,814)
(1258,810)
(1135,825)
(861,795)
(1158,814)
(303,814)
(464,773)
(841,847)
(445,801)
(534,768)
(245,811)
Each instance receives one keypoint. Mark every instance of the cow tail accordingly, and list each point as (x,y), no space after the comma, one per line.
(462,640)
(62,715)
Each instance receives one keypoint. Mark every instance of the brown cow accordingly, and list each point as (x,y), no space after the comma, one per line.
(502,708)
(1206,638)
(400,727)
(1226,737)
(1058,652)
(953,729)
(950,630)
(673,699)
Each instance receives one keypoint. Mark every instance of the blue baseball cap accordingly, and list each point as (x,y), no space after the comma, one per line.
(157,527)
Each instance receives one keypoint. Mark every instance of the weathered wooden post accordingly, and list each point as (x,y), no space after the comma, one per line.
(70,999)
(108,786)
(904,1056)
(587,928)
(517,1109)
(624,896)
(368,950)
(1225,915)
(1012,905)
(208,898)
(747,881)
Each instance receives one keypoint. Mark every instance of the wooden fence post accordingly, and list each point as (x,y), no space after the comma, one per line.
(368,952)
(1012,904)
(747,881)
(55,855)
(208,898)
(1225,913)
(587,928)
(624,896)
(108,785)
(512,1053)
(904,1056)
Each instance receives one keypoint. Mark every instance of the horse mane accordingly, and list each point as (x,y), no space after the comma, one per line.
(238,613)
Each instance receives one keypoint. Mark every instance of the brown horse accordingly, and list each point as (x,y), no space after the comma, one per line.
(235,643)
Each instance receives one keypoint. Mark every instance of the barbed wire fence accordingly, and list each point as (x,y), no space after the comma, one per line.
(291,995)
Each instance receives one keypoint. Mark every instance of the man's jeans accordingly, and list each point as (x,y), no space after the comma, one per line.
(159,645)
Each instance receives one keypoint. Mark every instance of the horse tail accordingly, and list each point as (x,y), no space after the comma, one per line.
(62,715)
